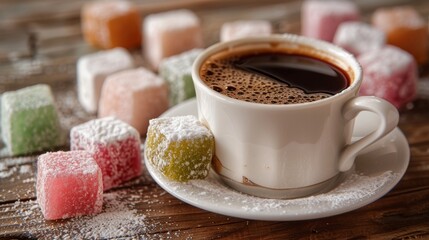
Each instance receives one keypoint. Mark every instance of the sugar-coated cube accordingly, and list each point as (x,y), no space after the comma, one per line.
(170,33)
(68,184)
(134,96)
(181,148)
(404,28)
(389,73)
(357,37)
(30,120)
(92,70)
(110,24)
(320,19)
(113,144)
(244,28)
(177,71)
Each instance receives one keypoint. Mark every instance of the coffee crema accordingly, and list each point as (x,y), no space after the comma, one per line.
(272,77)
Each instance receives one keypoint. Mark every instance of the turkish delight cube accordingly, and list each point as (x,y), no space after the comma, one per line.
(404,28)
(30,121)
(110,24)
(357,37)
(320,19)
(92,70)
(68,184)
(176,70)
(113,144)
(134,96)
(181,148)
(389,73)
(244,28)
(170,33)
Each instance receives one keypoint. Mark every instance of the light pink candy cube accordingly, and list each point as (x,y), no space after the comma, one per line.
(245,28)
(113,144)
(389,73)
(170,33)
(358,38)
(134,96)
(68,184)
(320,19)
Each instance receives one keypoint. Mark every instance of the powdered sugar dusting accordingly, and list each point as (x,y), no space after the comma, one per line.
(358,37)
(385,61)
(179,128)
(331,6)
(176,19)
(105,130)
(106,62)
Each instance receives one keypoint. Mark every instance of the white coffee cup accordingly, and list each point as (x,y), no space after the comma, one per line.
(290,150)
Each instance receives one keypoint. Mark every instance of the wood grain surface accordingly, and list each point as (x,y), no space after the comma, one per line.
(40,42)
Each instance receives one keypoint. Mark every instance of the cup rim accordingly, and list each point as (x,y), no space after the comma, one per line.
(315,44)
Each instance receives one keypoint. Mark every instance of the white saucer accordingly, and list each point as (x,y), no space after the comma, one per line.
(377,170)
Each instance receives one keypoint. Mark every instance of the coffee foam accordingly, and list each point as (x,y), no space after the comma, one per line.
(221,75)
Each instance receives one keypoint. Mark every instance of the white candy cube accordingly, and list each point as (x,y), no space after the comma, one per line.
(93,69)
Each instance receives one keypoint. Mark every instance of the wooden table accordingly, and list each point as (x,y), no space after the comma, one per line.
(40,42)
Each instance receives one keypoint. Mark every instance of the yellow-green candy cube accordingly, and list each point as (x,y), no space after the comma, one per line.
(180,147)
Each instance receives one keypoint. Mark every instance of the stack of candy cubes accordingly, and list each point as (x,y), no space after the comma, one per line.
(388,50)
(104,154)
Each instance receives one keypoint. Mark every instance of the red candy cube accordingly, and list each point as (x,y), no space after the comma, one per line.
(68,184)
(114,145)
(389,73)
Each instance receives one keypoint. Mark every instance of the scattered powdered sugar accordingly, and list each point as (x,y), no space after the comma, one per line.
(355,189)
(21,165)
(118,219)
(180,128)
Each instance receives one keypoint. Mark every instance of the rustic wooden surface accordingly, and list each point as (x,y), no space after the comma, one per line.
(40,42)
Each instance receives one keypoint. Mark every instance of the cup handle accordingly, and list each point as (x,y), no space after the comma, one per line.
(388,115)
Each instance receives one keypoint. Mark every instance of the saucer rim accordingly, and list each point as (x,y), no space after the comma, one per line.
(395,136)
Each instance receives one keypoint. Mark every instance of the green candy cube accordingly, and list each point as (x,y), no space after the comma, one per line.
(176,70)
(181,148)
(29,120)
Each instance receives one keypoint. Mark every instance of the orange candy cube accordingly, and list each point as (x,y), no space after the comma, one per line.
(404,28)
(110,24)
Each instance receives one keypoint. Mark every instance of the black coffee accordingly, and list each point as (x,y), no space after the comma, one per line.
(272,77)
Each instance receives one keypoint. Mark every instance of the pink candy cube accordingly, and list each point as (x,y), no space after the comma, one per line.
(357,37)
(245,28)
(134,96)
(170,33)
(320,19)
(389,73)
(68,184)
(113,144)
